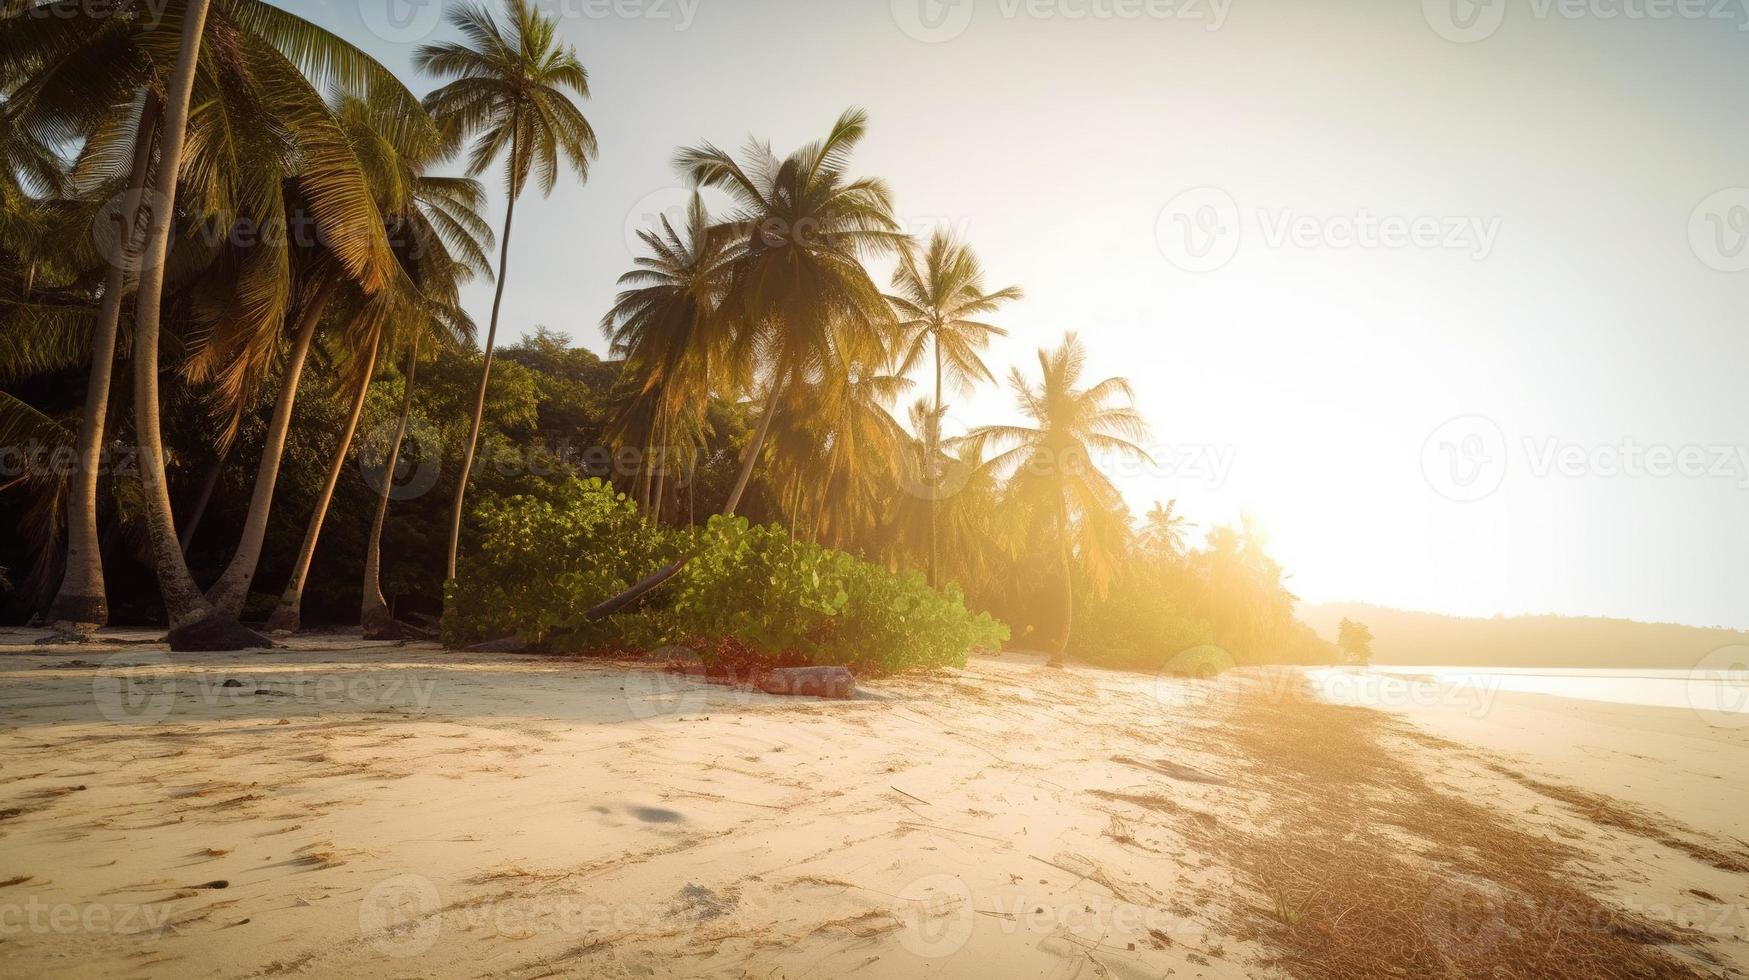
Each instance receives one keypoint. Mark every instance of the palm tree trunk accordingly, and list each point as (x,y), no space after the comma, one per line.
(288,614)
(232,589)
(673,568)
(934,449)
(208,484)
(1060,647)
(194,623)
(374,613)
(661,464)
(751,456)
(81,604)
(461,489)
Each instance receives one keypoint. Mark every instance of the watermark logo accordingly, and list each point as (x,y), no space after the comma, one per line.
(1198,230)
(1718,687)
(1465,917)
(937,916)
(1464,21)
(1718,230)
(1465,459)
(1198,686)
(418,462)
(398,916)
(933,21)
(1201,230)
(675,688)
(401,21)
(135,688)
(116,229)
(647,215)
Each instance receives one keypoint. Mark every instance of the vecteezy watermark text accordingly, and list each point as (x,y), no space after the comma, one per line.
(1468,458)
(1202,229)
(937,21)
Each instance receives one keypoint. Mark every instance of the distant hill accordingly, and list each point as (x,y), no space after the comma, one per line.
(1431,639)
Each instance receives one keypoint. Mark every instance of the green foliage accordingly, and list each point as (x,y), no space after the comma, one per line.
(749,592)
(542,563)
(1135,624)
(1354,640)
(791,600)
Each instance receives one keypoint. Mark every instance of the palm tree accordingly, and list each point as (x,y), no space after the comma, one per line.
(937,301)
(92,77)
(664,324)
(509,94)
(374,615)
(1055,480)
(798,303)
(427,216)
(1163,530)
(837,454)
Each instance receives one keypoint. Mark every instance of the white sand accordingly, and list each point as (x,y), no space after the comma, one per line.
(402,811)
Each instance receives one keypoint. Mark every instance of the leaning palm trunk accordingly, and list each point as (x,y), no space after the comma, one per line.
(461,489)
(373,614)
(934,450)
(673,568)
(288,614)
(204,499)
(232,589)
(194,623)
(1060,643)
(81,604)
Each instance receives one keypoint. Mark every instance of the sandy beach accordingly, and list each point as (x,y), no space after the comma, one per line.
(340,808)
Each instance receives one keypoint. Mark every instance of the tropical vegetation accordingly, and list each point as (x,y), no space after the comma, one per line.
(238,383)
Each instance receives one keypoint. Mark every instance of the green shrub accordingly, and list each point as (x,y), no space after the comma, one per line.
(749,594)
(541,565)
(788,601)
(1135,625)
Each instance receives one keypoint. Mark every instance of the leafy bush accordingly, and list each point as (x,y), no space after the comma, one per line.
(542,564)
(748,593)
(790,601)
(1135,625)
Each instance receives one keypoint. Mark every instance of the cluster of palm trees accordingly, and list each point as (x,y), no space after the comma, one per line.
(265,219)
(773,300)
(176,127)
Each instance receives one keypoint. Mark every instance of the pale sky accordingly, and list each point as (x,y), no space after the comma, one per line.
(1454,306)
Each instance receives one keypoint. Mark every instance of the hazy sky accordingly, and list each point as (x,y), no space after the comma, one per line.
(1451,298)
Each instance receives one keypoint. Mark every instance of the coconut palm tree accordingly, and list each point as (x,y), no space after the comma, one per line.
(1056,483)
(374,615)
(938,297)
(427,216)
(664,324)
(836,455)
(798,303)
(509,94)
(1163,530)
(92,76)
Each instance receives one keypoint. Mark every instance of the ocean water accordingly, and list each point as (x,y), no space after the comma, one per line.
(1723,688)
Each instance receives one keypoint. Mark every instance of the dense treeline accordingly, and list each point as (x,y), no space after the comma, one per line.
(231,249)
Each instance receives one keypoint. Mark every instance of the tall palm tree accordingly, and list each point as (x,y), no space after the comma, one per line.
(427,216)
(664,323)
(836,455)
(509,95)
(798,303)
(1163,530)
(1055,479)
(938,299)
(91,77)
